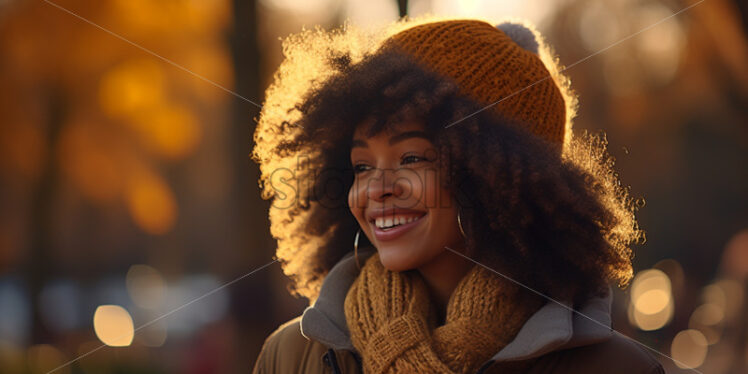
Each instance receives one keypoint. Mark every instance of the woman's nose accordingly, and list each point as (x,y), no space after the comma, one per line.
(385,184)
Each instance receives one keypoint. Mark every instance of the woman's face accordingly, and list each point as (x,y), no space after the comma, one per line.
(397,199)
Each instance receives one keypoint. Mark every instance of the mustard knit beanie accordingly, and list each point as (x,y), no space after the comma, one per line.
(496,65)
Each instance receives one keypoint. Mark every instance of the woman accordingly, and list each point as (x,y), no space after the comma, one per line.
(432,202)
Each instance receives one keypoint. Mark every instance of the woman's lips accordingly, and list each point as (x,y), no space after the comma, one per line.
(395,232)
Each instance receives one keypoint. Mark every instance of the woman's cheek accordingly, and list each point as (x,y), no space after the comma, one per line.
(429,189)
(354,203)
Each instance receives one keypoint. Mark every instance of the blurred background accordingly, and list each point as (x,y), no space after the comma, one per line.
(127,191)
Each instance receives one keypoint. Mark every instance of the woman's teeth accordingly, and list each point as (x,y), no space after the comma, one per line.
(390,222)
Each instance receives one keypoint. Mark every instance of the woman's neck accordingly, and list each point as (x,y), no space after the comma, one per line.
(442,274)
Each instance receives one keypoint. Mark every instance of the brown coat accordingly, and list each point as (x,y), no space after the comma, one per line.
(554,338)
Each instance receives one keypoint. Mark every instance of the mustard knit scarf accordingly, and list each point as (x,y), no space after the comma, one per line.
(393,322)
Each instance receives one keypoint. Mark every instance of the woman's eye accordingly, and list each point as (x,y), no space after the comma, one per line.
(409,159)
(414,158)
(359,168)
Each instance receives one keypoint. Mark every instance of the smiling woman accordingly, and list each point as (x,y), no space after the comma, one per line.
(408,204)
(459,223)
(400,205)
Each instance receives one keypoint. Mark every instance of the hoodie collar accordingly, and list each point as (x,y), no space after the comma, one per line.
(553,327)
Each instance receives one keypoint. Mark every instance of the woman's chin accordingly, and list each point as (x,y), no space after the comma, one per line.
(393,260)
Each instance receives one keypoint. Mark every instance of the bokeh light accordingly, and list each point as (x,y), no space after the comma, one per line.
(206,310)
(113,325)
(169,131)
(689,349)
(734,296)
(146,286)
(708,314)
(151,203)
(661,46)
(707,319)
(131,86)
(598,25)
(651,301)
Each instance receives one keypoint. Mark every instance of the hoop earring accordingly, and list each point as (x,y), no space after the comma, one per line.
(355,248)
(459,223)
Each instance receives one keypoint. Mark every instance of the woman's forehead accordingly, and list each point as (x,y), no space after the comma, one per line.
(390,130)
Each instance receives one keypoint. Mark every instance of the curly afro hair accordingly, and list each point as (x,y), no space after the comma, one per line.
(559,223)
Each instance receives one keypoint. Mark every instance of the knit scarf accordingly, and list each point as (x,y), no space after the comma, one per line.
(392,320)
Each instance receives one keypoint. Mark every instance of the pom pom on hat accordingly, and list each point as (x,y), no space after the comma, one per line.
(520,34)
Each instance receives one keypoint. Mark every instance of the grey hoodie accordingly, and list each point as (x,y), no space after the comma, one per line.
(553,328)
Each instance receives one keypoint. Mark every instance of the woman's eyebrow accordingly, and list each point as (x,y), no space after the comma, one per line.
(394,139)
(407,135)
(359,143)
